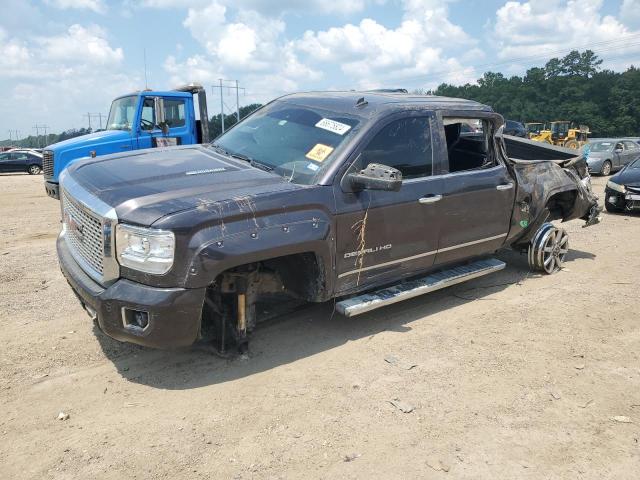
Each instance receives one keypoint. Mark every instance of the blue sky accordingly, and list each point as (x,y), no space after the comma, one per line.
(62,58)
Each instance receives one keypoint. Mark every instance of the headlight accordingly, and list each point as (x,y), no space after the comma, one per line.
(145,249)
(615,186)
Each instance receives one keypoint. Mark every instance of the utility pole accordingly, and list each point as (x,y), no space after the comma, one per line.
(237,101)
(37,129)
(234,86)
(221,107)
(10,139)
(90,115)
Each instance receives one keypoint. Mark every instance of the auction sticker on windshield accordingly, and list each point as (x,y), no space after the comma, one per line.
(319,152)
(333,126)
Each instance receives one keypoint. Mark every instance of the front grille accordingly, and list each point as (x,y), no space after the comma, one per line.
(47,163)
(83,232)
(634,190)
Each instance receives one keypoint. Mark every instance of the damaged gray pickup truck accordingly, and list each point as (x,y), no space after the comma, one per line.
(368,198)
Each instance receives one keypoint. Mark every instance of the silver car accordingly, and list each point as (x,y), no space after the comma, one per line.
(607,155)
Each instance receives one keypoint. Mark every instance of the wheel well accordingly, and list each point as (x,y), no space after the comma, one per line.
(300,274)
(561,204)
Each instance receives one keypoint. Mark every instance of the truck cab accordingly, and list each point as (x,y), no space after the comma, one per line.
(140,120)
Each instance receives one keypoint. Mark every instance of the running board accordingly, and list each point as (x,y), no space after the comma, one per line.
(413,288)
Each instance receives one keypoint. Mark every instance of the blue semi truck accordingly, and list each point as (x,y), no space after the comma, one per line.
(145,119)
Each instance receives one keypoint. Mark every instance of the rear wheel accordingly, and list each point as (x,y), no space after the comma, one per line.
(34,169)
(548,249)
(573,144)
(606,168)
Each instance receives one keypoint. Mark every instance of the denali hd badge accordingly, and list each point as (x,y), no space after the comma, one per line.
(364,251)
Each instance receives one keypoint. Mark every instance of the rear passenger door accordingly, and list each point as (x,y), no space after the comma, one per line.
(631,152)
(477,192)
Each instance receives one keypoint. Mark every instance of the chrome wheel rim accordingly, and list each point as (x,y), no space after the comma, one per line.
(606,168)
(34,169)
(555,247)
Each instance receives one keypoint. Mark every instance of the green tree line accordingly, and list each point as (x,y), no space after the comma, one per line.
(573,88)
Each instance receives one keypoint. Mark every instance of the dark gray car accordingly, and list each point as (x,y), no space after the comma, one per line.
(607,155)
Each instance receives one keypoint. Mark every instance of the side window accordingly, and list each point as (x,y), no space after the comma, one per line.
(4,156)
(403,144)
(148,117)
(19,156)
(467,143)
(174,112)
(630,146)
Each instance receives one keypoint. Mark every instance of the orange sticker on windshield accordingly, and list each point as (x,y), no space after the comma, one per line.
(319,152)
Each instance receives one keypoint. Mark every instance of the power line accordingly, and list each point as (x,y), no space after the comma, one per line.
(229,88)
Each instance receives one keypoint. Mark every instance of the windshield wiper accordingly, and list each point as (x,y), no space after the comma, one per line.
(241,156)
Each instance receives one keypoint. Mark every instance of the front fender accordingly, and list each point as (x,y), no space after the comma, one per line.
(299,232)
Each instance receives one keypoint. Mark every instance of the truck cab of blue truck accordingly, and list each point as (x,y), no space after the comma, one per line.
(140,120)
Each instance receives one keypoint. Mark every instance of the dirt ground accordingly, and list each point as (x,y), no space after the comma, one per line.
(516,376)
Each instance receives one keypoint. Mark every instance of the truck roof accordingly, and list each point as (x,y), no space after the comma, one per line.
(376,101)
(163,93)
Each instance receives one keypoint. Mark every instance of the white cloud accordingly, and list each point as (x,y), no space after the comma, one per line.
(53,79)
(97,6)
(422,45)
(552,27)
(630,13)
(80,44)
(271,8)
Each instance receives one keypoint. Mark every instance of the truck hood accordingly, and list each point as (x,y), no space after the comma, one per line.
(146,185)
(90,139)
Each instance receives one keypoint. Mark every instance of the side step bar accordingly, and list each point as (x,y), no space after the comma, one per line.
(370,301)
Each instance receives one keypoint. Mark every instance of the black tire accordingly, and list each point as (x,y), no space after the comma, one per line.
(612,208)
(34,169)
(605,171)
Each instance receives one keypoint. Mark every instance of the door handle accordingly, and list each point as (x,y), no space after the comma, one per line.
(505,186)
(430,199)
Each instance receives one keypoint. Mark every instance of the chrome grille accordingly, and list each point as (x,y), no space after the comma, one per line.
(635,190)
(47,163)
(83,232)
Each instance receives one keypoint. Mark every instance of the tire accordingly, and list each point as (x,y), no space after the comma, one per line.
(612,208)
(34,169)
(606,168)
(548,249)
(572,144)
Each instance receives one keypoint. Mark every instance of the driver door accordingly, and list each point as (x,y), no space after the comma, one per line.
(383,236)
(175,115)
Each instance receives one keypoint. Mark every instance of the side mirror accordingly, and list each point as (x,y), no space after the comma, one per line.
(158,106)
(618,150)
(376,177)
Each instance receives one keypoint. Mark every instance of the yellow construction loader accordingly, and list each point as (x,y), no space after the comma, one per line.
(560,133)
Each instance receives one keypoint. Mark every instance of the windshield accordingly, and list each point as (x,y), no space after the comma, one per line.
(122,113)
(294,141)
(600,146)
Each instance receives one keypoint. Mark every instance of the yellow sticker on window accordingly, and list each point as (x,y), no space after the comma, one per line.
(319,152)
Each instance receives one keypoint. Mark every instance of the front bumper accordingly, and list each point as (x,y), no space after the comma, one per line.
(622,201)
(174,314)
(52,189)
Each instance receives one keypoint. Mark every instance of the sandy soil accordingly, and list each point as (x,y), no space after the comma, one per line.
(517,376)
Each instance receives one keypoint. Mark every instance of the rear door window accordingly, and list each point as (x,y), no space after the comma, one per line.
(174,112)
